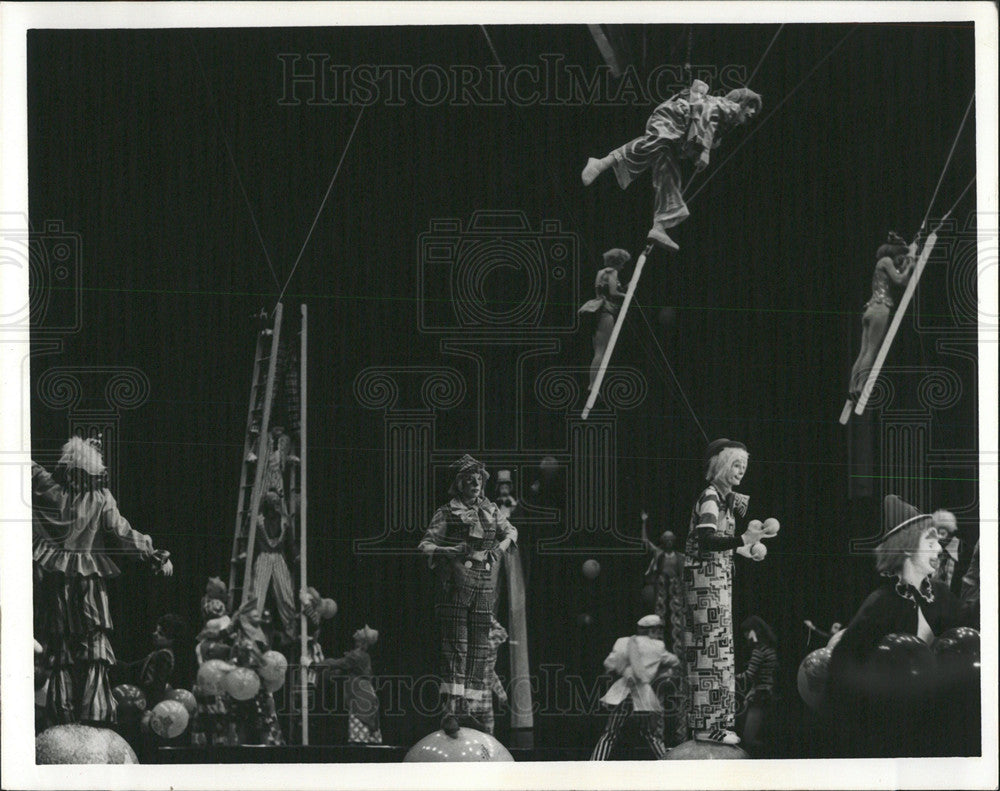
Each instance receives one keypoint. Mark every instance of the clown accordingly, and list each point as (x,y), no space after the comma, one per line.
(76,528)
(604,307)
(684,128)
(893,268)
(708,592)
(466,538)
(270,568)
(362,702)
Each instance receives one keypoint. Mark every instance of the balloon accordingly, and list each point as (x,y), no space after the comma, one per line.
(185,698)
(131,701)
(584,619)
(901,664)
(274,668)
(169,719)
(549,465)
(705,751)
(957,651)
(81,744)
(466,745)
(211,676)
(144,722)
(327,609)
(242,683)
(813,672)
(591,568)
(273,686)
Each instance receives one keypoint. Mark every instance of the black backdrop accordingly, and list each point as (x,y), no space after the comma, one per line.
(127,146)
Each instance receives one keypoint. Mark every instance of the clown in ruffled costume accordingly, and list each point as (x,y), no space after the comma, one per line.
(76,527)
(686,127)
(466,539)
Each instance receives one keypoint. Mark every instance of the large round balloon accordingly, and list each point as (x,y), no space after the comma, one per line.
(957,650)
(591,568)
(131,701)
(812,677)
(327,609)
(274,668)
(705,751)
(467,744)
(185,698)
(169,719)
(212,675)
(81,744)
(242,683)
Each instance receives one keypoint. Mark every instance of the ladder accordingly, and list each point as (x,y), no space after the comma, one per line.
(262,388)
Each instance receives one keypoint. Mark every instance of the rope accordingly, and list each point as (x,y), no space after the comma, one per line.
(763,121)
(323,202)
(968,186)
(232,160)
(666,362)
(947,162)
(754,72)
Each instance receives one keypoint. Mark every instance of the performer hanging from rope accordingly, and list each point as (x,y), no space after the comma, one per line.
(686,127)
(604,307)
(894,263)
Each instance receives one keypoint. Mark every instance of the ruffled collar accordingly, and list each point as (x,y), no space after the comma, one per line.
(904,589)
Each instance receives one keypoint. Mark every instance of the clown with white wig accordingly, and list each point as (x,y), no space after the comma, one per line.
(76,528)
(708,590)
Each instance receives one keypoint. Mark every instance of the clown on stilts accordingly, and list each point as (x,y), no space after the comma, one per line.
(76,528)
(467,537)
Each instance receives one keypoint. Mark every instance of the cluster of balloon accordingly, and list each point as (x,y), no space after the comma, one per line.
(170,718)
(705,751)
(81,744)
(212,676)
(591,568)
(131,702)
(466,745)
(272,671)
(813,673)
(241,683)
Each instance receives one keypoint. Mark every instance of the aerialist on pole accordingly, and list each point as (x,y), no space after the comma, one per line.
(893,268)
(685,127)
(605,305)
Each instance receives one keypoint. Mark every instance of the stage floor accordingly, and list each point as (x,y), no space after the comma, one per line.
(348,754)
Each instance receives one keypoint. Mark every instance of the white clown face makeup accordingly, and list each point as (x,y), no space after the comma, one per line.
(734,473)
(925,557)
(470,486)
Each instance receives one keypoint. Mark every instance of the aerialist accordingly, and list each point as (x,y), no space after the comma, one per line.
(685,127)
(605,305)
(893,267)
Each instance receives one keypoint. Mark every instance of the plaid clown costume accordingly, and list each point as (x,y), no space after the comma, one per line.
(461,545)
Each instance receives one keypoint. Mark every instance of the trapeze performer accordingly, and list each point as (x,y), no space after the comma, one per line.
(603,308)
(893,269)
(685,127)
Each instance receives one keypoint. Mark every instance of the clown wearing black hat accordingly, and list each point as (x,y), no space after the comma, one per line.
(908,602)
(466,539)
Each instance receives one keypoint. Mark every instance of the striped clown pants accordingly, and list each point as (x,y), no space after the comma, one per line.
(271,566)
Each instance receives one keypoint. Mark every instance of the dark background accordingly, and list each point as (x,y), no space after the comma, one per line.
(127,147)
